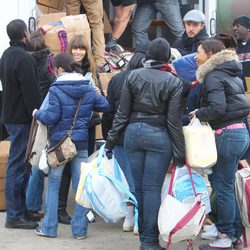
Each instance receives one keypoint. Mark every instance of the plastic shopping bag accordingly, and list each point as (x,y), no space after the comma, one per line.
(200,144)
(183,190)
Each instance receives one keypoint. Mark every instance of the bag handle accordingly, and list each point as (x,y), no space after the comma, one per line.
(75,116)
(170,190)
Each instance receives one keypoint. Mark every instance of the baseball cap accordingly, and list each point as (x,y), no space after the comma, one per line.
(195,16)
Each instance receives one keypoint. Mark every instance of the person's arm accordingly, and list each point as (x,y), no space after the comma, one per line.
(121,117)
(107,117)
(216,107)
(28,78)
(52,114)
(174,125)
(122,17)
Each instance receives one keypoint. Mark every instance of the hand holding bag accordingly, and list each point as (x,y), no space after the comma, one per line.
(200,144)
(65,150)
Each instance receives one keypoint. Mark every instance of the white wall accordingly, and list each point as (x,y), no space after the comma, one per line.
(13,9)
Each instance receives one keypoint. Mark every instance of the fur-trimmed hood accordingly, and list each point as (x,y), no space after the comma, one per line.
(225,60)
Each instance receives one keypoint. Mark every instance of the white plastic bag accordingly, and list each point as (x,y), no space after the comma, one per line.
(104,187)
(43,164)
(200,144)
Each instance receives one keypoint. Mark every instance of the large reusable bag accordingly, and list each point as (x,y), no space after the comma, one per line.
(104,188)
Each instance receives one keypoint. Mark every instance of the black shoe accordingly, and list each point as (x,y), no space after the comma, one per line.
(64,218)
(34,216)
(21,223)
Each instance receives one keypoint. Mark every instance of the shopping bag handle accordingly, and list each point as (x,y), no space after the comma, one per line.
(170,190)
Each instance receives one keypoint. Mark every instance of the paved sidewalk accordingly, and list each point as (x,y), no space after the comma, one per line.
(101,236)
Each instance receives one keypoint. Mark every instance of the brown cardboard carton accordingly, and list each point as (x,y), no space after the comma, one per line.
(42,10)
(50,3)
(76,25)
(4,154)
(73,25)
(105,79)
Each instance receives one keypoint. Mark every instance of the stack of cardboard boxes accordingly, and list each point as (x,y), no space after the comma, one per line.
(4,154)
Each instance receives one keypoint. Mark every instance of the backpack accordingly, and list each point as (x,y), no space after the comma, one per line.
(178,221)
(242,190)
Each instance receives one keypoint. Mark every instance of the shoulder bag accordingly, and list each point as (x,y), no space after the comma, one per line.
(65,150)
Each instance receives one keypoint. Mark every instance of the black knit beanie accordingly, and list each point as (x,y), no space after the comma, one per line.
(159,50)
(243,21)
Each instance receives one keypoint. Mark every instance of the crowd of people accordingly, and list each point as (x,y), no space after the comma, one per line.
(142,115)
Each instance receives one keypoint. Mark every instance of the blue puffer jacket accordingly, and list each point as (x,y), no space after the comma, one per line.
(64,95)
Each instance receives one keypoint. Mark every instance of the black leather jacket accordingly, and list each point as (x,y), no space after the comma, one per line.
(151,96)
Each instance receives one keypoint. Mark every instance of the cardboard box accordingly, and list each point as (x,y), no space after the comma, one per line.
(105,79)
(42,10)
(73,25)
(4,154)
(50,3)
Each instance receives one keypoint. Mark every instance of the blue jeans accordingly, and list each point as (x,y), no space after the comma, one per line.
(145,13)
(122,158)
(79,222)
(149,151)
(16,177)
(231,145)
(34,192)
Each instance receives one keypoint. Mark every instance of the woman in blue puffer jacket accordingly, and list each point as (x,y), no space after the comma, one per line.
(64,95)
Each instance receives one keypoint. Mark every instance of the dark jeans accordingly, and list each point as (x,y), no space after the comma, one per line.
(231,145)
(16,178)
(149,152)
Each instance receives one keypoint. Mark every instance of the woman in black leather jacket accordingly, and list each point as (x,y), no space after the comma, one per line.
(150,108)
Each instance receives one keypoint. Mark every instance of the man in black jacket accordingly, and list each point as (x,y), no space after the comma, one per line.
(21,95)
(241,28)
(194,22)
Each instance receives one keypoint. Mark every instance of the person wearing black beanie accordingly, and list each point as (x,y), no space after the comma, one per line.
(150,115)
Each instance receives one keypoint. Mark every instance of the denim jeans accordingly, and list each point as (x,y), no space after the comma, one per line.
(34,191)
(79,222)
(149,151)
(16,177)
(122,158)
(145,13)
(231,145)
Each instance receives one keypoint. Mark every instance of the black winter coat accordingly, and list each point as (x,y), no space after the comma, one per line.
(243,52)
(223,100)
(44,76)
(21,93)
(151,96)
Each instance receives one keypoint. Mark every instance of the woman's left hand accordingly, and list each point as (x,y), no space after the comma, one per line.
(191,115)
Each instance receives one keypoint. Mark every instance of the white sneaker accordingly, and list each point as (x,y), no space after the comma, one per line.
(210,234)
(207,228)
(128,224)
(222,241)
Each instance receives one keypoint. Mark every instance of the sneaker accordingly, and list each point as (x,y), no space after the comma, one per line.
(210,234)
(136,231)
(237,244)
(21,223)
(39,232)
(128,225)
(221,242)
(208,227)
(80,237)
(63,217)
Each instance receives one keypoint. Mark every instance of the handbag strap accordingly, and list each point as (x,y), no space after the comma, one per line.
(75,116)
